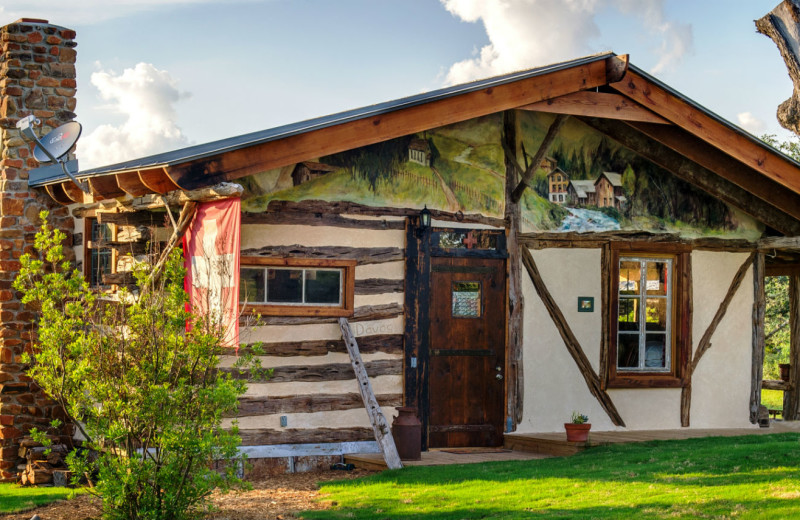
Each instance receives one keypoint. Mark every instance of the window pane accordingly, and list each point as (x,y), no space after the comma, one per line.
(657,317)
(323,286)
(100,231)
(657,278)
(251,285)
(655,351)
(628,351)
(628,314)
(466,299)
(629,276)
(100,264)
(285,285)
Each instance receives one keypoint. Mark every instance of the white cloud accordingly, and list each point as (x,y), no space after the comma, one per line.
(145,97)
(751,123)
(529,33)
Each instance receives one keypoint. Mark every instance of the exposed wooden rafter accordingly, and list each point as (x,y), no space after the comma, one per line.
(722,164)
(597,104)
(701,124)
(696,174)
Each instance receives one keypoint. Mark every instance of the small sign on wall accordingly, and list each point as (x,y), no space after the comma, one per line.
(585,303)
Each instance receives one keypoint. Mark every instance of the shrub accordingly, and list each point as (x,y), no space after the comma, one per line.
(138,374)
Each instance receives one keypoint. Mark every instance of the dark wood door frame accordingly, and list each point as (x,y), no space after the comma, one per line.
(419,250)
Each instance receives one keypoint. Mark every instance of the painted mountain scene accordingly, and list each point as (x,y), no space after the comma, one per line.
(586,182)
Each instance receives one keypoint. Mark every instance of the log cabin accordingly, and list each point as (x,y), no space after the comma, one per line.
(471,296)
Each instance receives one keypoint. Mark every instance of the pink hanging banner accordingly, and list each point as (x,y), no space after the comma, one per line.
(211,249)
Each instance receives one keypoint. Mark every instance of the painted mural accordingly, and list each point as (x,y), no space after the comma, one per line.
(586,182)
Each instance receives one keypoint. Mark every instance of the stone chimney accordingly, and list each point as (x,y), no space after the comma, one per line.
(37,76)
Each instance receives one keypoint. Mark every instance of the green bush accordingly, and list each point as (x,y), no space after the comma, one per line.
(141,385)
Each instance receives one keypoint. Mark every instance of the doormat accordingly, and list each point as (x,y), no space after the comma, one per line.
(467,451)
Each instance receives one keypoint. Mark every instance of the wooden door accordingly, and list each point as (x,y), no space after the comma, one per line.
(467,352)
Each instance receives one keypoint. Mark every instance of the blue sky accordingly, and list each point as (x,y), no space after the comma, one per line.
(161,74)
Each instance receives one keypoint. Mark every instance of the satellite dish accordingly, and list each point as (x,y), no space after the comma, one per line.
(57,143)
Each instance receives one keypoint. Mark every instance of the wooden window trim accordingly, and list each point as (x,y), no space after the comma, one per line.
(88,246)
(348,288)
(681,320)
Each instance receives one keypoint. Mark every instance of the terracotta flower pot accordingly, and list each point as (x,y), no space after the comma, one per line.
(577,432)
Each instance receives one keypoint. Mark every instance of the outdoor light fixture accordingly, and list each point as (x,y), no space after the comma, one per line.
(425,218)
(53,146)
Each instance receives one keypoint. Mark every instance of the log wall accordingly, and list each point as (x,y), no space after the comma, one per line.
(313,387)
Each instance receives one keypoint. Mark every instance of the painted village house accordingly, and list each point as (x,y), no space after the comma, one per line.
(498,319)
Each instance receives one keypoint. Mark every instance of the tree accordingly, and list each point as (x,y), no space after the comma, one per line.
(143,387)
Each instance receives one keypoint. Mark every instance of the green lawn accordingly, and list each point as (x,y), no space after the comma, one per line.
(15,498)
(739,477)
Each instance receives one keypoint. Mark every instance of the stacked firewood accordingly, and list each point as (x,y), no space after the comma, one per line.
(44,465)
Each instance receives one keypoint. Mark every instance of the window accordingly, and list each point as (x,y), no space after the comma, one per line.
(98,259)
(648,319)
(297,287)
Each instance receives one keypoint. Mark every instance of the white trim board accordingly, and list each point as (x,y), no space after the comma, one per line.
(305,450)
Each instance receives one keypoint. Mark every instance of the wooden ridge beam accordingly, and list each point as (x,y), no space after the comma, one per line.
(570,341)
(381,127)
(699,123)
(597,104)
(696,174)
(724,165)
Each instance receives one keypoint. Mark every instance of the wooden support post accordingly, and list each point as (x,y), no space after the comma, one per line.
(605,312)
(791,398)
(514,370)
(705,341)
(544,147)
(759,309)
(379,425)
(570,341)
(687,290)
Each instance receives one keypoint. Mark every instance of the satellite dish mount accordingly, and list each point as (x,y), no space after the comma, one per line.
(54,146)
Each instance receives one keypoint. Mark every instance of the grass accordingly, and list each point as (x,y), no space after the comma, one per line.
(14,498)
(772,399)
(735,477)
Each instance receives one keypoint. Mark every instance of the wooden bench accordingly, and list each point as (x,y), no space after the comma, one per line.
(774,412)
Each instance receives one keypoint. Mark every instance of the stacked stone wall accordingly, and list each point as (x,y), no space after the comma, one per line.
(37,76)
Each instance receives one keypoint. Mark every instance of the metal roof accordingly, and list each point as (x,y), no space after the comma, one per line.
(50,175)
(183,155)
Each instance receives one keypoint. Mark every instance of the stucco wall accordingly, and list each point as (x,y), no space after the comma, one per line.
(554,386)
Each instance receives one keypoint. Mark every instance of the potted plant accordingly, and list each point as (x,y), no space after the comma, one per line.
(578,428)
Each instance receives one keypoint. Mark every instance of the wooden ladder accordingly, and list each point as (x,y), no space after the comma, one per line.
(379,425)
